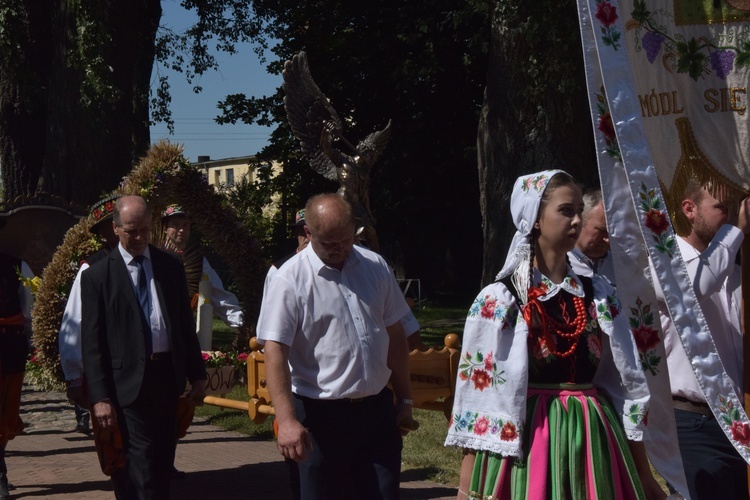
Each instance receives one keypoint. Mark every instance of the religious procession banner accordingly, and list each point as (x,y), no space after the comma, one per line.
(667,83)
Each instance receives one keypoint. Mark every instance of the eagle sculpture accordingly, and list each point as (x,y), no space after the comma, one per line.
(320,132)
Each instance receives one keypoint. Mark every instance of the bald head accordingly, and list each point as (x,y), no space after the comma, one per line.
(132,224)
(330,228)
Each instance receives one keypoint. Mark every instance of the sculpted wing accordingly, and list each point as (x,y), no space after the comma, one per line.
(375,143)
(309,113)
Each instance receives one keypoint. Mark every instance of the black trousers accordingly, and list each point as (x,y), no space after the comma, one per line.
(149,432)
(356,448)
(713,468)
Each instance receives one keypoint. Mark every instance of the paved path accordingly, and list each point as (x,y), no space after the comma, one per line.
(50,460)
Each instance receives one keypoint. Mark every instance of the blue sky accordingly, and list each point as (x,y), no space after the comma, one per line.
(194,114)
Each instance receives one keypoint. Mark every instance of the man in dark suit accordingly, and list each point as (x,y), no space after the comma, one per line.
(139,346)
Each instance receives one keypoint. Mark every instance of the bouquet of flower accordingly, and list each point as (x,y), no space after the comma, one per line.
(219,358)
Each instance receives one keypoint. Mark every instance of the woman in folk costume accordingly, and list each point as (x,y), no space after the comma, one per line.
(550,398)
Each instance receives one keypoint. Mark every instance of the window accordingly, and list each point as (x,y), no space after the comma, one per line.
(230,177)
(217,177)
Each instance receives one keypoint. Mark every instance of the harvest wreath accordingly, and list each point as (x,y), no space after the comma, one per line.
(163,177)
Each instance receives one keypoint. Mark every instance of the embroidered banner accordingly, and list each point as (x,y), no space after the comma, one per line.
(668,85)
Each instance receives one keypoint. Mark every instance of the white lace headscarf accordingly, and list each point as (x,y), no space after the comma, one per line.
(524,208)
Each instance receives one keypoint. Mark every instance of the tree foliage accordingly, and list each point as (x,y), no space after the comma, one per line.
(535,114)
(74,104)
(421,64)
(74,81)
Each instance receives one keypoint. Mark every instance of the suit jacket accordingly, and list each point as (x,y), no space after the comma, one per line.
(112,332)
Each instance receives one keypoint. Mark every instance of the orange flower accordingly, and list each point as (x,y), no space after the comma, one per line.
(481,379)
(508,432)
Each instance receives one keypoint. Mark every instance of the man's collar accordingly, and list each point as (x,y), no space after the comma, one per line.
(129,258)
(318,264)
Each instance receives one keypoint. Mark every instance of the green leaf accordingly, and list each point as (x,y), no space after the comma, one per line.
(690,59)
(640,11)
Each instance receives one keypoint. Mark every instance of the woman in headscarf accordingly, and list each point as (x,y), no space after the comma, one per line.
(551,401)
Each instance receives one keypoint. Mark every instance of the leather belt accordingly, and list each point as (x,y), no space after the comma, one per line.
(684,404)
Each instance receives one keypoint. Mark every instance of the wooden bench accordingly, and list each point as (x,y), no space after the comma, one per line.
(433,379)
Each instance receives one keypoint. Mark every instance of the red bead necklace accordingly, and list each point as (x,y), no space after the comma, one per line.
(568,329)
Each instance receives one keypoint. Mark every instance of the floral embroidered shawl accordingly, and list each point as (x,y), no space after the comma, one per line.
(489,409)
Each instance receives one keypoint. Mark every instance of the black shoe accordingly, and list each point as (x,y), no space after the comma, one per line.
(177,474)
(83,428)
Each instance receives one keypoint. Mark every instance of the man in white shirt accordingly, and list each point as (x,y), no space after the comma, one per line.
(333,340)
(713,468)
(591,253)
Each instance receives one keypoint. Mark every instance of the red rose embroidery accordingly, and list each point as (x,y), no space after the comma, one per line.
(462,375)
(656,221)
(646,338)
(481,379)
(488,310)
(606,127)
(741,432)
(481,426)
(488,363)
(508,432)
(606,13)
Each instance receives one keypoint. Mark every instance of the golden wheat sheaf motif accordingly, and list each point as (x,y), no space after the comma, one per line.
(694,164)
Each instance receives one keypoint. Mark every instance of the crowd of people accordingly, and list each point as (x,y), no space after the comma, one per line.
(550,399)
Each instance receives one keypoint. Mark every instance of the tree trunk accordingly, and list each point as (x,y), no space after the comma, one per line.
(535,114)
(59,133)
(24,70)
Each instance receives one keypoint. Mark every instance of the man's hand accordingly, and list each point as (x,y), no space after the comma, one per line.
(77,395)
(105,415)
(294,441)
(404,419)
(197,392)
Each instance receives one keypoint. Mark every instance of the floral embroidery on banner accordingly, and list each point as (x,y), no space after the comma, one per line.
(481,370)
(695,57)
(655,220)
(606,127)
(473,423)
(646,337)
(606,14)
(730,416)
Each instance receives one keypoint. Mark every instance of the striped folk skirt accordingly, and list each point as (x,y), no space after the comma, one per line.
(574,448)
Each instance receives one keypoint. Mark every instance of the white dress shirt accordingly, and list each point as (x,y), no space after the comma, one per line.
(159,337)
(716,281)
(69,338)
(334,322)
(583,266)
